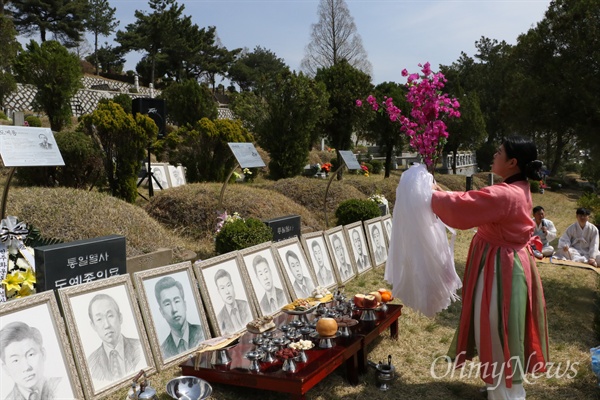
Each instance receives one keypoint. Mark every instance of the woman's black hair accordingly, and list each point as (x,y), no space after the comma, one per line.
(525,151)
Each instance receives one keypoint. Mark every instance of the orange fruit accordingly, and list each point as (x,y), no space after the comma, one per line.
(386,296)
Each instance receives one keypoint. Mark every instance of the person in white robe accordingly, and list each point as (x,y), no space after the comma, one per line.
(580,241)
(545,229)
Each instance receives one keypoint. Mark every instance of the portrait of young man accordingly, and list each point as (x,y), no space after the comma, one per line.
(183,335)
(303,284)
(344,267)
(362,259)
(321,263)
(378,245)
(274,297)
(235,313)
(117,355)
(23,358)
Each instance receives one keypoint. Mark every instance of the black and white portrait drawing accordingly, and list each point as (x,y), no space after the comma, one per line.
(175,176)
(44,143)
(375,231)
(358,246)
(173,310)
(300,279)
(266,279)
(36,359)
(107,328)
(315,247)
(160,175)
(387,224)
(340,255)
(224,291)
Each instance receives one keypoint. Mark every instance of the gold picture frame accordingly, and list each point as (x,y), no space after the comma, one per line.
(99,315)
(169,296)
(37,318)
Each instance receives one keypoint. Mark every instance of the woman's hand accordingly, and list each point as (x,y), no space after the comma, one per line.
(436,187)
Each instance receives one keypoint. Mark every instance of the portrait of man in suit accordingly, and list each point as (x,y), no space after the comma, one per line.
(274,298)
(118,355)
(324,274)
(343,266)
(303,285)
(171,302)
(362,260)
(23,358)
(236,313)
(378,248)
(388,228)
(44,144)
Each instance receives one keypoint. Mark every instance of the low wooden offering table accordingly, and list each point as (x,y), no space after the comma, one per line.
(348,351)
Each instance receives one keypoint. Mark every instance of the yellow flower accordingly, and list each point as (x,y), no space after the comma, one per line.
(28,279)
(13,281)
(25,291)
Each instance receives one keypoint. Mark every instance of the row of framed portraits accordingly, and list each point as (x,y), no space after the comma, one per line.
(167,175)
(114,328)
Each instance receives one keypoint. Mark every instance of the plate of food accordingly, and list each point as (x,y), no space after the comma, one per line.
(300,307)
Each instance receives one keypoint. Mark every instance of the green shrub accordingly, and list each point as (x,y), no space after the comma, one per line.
(376,167)
(83,164)
(534,186)
(33,121)
(3,116)
(354,210)
(240,234)
(124,100)
(590,201)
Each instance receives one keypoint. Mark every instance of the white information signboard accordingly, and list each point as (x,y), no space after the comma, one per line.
(349,159)
(24,146)
(246,155)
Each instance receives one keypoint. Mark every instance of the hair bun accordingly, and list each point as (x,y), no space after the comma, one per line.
(533,170)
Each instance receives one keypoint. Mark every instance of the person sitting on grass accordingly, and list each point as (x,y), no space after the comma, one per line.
(580,241)
(545,229)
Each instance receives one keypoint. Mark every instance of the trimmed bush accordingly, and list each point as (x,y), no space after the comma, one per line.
(3,116)
(354,210)
(33,121)
(376,167)
(240,234)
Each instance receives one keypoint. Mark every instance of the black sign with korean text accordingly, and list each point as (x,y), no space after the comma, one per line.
(284,227)
(82,261)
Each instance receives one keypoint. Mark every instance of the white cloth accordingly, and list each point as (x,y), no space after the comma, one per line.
(420,263)
(583,243)
(550,234)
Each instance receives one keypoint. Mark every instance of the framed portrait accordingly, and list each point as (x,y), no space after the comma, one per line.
(173,312)
(338,247)
(107,334)
(266,277)
(226,293)
(320,261)
(181,170)
(299,277)
(359,249)
(375,236)
(387,228)
(175,176)
(36,355)
(161,174)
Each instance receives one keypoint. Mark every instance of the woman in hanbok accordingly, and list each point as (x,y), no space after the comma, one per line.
(503,317)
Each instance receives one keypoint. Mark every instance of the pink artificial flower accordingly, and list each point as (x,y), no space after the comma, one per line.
(358,103)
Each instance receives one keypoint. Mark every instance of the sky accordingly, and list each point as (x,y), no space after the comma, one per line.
(396,34)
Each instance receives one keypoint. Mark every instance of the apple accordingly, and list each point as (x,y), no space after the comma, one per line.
(377,295)
(370,301)
(327,327)
(359,300)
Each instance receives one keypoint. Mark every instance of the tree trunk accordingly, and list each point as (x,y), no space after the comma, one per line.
(96,51)
(454,153)
(558,154)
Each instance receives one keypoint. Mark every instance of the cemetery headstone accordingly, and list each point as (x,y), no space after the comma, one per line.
(81,261)
(284,227)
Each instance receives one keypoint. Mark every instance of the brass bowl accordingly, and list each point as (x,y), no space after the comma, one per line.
(188,388)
